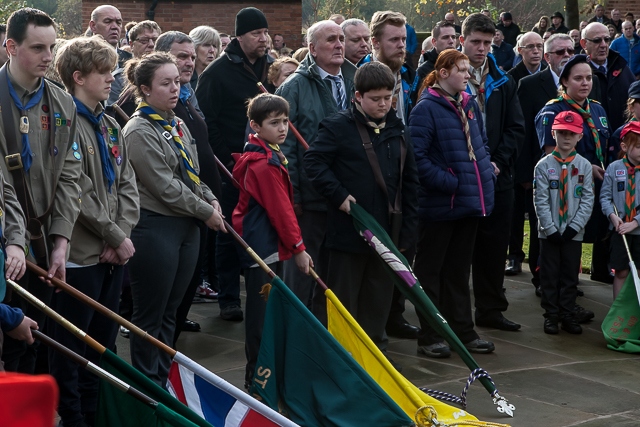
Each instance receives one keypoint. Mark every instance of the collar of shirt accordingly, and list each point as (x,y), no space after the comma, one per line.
(605,65)
(22,92)
(536,71)
(324,74)
(477,72)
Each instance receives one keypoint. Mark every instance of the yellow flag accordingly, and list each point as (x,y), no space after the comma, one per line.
(410,398)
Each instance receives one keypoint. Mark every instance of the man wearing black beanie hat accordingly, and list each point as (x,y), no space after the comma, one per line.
(222,92)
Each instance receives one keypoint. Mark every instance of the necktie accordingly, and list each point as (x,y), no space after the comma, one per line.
(630,194)
(602,69)
(26,154)
(107,166)
(171,128)
(463,118)
(586,115)
(340,98)
(564,183)
(479,85)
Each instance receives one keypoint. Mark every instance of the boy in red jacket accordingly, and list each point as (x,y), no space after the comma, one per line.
(264,215)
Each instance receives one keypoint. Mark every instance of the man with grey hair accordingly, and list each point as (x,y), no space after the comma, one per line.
(321,86)
(106,21)
(575,36)
(357,39)
(531,48)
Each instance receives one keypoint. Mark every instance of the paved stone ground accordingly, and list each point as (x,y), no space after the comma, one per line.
(561,380)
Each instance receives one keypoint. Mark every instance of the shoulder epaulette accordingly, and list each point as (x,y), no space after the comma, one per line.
(595,101)
(553,101)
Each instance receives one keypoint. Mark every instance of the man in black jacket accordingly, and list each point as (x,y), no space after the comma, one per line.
(502,115)
(531,48)
(444,37)
(557,24)
(222,92)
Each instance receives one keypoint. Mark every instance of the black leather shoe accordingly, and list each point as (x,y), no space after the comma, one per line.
(498,322)
(582,315)
(551,326)
(513,267)
(404,330)
(570,325)
(538,291)
(191,326)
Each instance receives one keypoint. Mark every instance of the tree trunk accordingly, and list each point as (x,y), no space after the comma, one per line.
(573,14)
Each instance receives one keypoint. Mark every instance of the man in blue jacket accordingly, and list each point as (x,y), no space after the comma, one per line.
(628,46)
(496,95)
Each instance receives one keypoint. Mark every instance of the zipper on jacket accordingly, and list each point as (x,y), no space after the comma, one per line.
(453,196)
(484,210)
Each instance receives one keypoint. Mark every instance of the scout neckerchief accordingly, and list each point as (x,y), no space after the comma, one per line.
(26,153)
(586,115)
(630,194)
(185,94)
(463,117)
(396,90)
(377,127)
(107,167)
(171,128)
(276,148)
(564,183)
(479,85)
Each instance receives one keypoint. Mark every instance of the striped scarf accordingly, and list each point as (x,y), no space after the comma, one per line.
(175,134)
(463,117)
(396,90)
(630,194)
(564,183)
(586,116)
(479,85)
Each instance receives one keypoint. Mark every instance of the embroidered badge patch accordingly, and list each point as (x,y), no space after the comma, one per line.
(577,192)
(545,121)
(77,155)
(554,184)
(603,122)
(580,179)
(55,151)
(620,185)
(119,160)
(90,150)
(621,172)
(45,122)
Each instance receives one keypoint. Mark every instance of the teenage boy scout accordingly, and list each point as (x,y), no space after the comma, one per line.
(42,160)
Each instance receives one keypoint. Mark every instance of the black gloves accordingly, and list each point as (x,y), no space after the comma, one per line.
(555,238)
(569,234)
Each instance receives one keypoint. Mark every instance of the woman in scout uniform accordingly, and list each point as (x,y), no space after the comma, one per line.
(100,243)
(164,157)
(576,82)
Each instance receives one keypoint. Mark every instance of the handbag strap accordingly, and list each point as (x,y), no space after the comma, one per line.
(375,167)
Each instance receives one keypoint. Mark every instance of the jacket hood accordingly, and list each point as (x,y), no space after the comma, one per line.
(254,150)
(430,92)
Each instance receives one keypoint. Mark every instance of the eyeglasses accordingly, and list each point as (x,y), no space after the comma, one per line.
(562,51)
(146,40)
(533,46)
(599,40)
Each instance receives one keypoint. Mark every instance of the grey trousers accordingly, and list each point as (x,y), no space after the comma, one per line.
(165,259)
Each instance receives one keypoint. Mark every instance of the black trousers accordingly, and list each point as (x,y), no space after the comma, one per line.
(443,260)
(227,255)
(196,279)
(363,286)
(559,268)
(523,203)
(161,270)
(313,225)
(256,307)
(17,355)
(78,387)
(489,254)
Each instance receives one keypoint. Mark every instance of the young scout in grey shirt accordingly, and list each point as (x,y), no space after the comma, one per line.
(100,243)
(563,197)
(41,158)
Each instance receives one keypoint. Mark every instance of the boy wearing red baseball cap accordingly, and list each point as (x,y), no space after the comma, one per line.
(563,199)
(619,201)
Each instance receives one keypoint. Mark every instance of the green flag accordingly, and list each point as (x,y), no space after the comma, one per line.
(620,326)
(116,408)
(305,374)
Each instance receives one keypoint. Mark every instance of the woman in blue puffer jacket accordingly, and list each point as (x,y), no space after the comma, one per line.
(456,189)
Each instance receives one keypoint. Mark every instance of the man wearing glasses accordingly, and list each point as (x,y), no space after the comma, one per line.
(531,49)
(612,71)
(142,37)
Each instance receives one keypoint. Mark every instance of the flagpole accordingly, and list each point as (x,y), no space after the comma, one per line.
(95,369)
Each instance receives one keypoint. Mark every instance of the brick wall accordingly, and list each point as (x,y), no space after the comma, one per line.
(623,6)
(284,16)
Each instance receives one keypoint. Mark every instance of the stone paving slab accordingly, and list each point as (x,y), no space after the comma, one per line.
(554,381)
